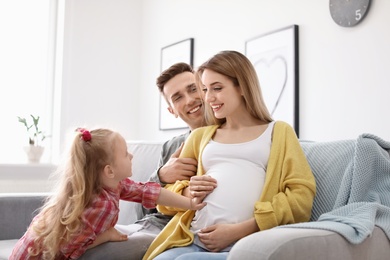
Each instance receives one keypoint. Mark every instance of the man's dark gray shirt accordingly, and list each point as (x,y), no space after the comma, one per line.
(153,216)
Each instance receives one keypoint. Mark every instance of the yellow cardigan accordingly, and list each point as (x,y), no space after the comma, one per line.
(287,195)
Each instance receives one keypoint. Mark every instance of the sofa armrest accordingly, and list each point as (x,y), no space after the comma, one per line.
(16,212)
(300,243)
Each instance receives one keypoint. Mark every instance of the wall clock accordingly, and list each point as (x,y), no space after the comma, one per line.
(348,13)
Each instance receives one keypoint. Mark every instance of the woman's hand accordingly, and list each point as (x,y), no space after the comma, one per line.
(217,237)
(201,186)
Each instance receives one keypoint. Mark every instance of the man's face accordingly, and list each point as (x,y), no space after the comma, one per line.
(184,99)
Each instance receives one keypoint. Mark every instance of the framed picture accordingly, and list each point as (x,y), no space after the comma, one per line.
(275,58)
(182,51)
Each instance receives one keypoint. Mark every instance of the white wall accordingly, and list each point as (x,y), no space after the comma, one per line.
(112,58)
(101,65)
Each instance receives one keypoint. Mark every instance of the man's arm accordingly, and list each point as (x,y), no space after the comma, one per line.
(170,167)
(177,168)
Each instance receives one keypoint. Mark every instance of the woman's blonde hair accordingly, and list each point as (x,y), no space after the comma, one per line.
(241,72)
(60,217)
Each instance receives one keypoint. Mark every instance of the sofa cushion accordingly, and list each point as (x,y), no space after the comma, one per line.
(295,243)
(6,247)
(328,157)
(353,175)
(17,211)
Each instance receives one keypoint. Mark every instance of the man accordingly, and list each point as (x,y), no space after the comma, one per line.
(177,85)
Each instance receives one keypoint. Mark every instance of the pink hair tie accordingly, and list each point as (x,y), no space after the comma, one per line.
(85,134)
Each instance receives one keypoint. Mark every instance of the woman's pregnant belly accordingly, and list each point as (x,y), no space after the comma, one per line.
(239,186)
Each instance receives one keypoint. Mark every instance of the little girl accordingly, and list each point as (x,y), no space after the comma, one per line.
(83,212)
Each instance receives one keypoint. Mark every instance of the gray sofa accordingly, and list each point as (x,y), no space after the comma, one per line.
(16,212)
(330,162)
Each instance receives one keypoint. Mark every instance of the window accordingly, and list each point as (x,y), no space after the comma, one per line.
(27,74)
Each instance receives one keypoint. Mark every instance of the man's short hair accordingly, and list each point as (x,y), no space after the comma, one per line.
(171,72)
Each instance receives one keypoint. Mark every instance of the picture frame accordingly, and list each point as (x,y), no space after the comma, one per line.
(275,56)
(182,51)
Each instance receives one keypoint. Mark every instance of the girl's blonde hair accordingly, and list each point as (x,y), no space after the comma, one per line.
(241,72)
(60,217)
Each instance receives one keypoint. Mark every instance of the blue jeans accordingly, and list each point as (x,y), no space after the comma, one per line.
(192,252)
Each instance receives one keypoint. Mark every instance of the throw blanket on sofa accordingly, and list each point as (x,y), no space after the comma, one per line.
(353,186)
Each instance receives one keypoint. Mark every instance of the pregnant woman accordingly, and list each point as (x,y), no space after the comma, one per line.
(263,177)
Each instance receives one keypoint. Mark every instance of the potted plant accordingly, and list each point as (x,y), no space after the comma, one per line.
(34,150)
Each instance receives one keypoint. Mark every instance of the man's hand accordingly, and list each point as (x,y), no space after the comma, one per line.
(177,168)
(201,186)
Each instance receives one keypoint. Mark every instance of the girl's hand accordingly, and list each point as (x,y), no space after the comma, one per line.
(115,236)
(109,235)
(197,203)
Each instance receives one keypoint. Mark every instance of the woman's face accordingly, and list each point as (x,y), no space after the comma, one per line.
(220,93)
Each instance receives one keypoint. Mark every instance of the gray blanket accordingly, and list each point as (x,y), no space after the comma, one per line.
(353,186)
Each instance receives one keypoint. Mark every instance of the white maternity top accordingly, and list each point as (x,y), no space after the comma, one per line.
(240,173)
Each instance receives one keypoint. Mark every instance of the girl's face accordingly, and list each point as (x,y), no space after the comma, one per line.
(224,98)
(122,165)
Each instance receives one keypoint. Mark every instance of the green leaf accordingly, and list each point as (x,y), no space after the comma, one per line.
(37,134)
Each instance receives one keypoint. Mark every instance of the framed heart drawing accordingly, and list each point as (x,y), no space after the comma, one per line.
(275,58)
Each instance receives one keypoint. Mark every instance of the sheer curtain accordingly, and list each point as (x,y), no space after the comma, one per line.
(26,73)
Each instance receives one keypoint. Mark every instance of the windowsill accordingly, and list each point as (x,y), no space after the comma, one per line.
(26,171)
(26,177)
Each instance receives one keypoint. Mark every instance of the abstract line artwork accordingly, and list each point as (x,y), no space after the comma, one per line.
(275,58)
